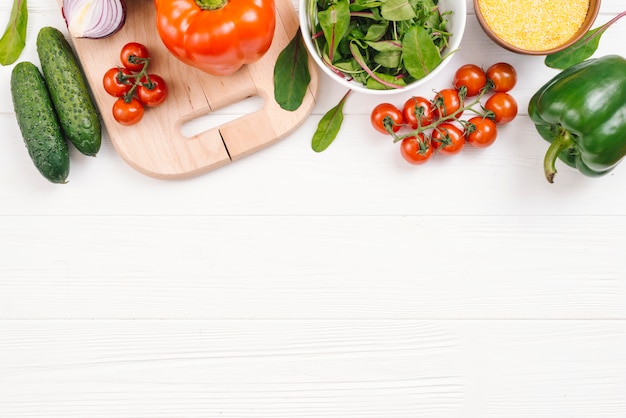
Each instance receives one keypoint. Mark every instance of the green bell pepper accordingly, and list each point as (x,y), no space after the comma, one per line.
(582,113)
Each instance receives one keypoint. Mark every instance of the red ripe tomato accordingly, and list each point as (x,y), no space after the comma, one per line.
(503,76)
(115,82)
(415,149)
(483,132)
(218,39)
(472,77)
(415,106)
(503,106)
(385,117)
(134,55)
(447,102)
(128,112)
(153,91)
(448,139)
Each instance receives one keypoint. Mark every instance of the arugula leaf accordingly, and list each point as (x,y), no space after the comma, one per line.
(291,74)
(329,126)
(13,41)
(581,49)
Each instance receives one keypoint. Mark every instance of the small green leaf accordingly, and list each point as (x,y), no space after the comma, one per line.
(396,10)
(374,84)
(329,126)
(360,5)
(335,23)
(577,52)
(388,59)
(376,31)
(420,53)
(385,45)
(13,41)
(291,74)
(582,49)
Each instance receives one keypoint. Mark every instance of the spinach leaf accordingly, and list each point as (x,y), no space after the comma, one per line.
(376,31)
(329,126)
(13,41)
(421,55)
(335,23)
(396,10)
(388,59)
(291,74)
(374,83)
(581,49)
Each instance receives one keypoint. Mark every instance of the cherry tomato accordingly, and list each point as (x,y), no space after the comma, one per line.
(411,109)
(153,92)
(472,77)
(503,76)
(447,101)
(113,83)
(448,139)
(504,107)
(415,149)
(483,133)
(386,115)
(128,113)
(133,56)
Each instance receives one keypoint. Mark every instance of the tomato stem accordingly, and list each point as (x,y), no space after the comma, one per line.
(137,77)
(451,116)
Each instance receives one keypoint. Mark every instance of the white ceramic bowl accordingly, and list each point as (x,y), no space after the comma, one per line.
(456,26)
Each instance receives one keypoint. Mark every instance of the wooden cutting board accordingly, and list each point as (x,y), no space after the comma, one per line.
(156,146)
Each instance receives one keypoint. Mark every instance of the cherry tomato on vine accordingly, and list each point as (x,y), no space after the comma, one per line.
(472,77)
(447,101)
(114,85)
(448,139)
(411,109)
(415,149)
(128,113)
(386,115)
(503,76)
(153,91)
(504,107)
(483,133)
(133,56)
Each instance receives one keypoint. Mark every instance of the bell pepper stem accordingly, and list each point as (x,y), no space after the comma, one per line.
(562,142)
(211,4)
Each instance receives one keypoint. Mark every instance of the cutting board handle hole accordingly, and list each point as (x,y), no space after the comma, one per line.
(221,116)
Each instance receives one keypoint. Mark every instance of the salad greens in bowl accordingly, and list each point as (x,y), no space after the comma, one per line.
(382,46)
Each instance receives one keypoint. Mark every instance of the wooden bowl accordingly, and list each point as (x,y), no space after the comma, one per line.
(531,15)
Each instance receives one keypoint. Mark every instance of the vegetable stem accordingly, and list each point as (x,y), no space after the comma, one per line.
(563,141)
(211,4)
(451,116)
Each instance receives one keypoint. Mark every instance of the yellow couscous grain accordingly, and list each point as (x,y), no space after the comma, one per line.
(534,25)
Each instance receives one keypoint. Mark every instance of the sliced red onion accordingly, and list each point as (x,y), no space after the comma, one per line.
(94,18)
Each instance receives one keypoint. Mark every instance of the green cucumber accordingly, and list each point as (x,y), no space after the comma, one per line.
(39,123)
(69,92)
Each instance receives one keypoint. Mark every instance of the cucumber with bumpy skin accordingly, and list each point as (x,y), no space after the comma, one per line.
(68,90)
(39,123)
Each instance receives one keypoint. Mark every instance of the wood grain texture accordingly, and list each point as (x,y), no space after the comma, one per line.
(313,368)
(293,284)
(156,145)
(314,267)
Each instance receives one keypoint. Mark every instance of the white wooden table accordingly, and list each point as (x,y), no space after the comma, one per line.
(295,284)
